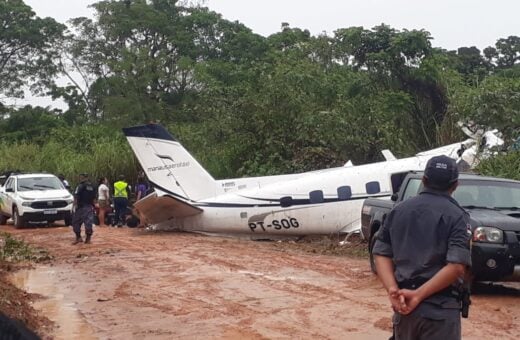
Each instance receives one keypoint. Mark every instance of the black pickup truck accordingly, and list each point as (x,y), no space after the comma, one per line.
(494,208)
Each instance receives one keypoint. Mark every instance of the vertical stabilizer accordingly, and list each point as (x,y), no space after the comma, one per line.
(168,165)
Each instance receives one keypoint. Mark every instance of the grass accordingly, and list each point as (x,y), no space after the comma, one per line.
(14,250)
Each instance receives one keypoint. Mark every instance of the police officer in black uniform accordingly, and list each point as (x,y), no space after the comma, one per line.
(84,196)
(421,254)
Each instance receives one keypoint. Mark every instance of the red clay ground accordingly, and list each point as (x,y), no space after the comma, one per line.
(132,284)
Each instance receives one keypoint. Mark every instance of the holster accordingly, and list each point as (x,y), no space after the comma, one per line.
(465,302)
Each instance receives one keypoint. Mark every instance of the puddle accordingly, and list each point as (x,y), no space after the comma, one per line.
(70,324)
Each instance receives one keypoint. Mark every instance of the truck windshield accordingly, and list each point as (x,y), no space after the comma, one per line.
(39,183)
(488,194)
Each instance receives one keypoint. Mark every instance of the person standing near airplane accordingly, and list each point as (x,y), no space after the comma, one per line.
(84,197)
(103,200)
(121,191)
(141,188)
(422,252)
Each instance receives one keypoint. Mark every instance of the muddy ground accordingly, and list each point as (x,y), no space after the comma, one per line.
(137,284)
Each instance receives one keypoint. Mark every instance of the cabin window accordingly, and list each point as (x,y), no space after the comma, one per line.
(286,201)
(316,196)
(344,193)
(373,187)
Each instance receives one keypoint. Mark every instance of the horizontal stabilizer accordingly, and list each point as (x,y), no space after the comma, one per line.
(155,209)
(389,156)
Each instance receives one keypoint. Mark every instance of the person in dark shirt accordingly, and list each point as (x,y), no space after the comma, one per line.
(141,188)
(84,197)
(421,253)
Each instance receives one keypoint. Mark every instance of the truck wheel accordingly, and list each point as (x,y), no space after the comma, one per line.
(3,219)
(372,261)
(17,219)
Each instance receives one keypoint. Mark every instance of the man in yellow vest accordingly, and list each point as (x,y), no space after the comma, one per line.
(121,191)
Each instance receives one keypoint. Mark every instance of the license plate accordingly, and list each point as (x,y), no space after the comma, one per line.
(50,212)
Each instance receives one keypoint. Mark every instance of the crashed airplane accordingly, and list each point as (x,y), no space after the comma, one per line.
(188,198)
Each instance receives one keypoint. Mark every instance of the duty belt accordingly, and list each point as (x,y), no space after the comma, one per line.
(417,282)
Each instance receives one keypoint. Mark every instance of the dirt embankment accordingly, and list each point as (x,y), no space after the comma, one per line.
(15,303)
(132,284)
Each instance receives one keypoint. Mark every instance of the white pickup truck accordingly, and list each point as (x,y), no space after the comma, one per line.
(34,198)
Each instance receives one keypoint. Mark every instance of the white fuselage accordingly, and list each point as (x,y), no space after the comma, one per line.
(255,207)
(318,202)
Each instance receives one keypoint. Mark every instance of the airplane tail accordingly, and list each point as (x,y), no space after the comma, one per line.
(168,166)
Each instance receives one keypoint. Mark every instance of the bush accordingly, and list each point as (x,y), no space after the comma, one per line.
(504,165)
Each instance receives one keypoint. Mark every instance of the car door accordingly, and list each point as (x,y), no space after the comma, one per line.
(8,196)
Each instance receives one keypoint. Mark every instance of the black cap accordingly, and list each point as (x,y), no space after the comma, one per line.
(441,172)
(83,174)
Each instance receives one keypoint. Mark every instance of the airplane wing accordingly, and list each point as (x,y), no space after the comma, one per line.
(156,209)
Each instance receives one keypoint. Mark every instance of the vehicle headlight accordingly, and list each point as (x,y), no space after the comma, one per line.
(488,234)
(69,199)
(26,198)
(26,204)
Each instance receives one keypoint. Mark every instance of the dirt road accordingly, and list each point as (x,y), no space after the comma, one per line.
(135,284)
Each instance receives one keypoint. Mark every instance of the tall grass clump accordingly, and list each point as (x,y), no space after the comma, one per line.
(504,165)
(96,150)
(14,250)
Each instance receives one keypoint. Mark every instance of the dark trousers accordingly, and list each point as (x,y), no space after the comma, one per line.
(120,206)
(83,215)
(416,327)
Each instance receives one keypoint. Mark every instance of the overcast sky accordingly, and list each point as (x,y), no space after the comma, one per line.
(452,23)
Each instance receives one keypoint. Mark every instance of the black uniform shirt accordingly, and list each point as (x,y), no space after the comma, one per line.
(85,194)
(423,234)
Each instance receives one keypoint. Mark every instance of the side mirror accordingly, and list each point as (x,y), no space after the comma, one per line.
(9,190)
(394,197)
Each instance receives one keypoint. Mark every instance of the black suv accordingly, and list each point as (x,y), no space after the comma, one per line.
(494,208)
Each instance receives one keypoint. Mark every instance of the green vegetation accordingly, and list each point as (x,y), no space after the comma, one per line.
(13,250)
(245,104)
(506,166)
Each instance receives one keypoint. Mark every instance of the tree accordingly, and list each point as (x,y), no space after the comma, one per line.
(505,54)
(508,50)
(471,63)
(495,103)
(138,59)
(27,48)
(30,124)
